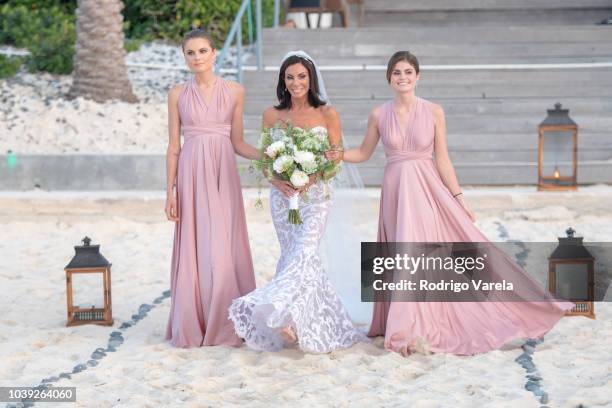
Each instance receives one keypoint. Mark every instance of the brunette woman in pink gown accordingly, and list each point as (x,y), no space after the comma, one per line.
(421,201)
(211,259)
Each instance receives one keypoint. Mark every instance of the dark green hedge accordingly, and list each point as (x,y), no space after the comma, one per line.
(46,31)
(47,27)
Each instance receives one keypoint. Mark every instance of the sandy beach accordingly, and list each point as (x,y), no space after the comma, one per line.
(130,364)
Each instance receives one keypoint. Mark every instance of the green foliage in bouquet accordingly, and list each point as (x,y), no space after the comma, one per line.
(294,154)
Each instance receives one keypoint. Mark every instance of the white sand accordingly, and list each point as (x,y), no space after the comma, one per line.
(39,230)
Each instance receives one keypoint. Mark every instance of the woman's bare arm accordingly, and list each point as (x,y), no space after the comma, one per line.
(237,133)
(443,162)
(334,128)
(365,151)
(173,151)
(174,138)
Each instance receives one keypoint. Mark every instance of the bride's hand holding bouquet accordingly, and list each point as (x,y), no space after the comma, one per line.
(294,158)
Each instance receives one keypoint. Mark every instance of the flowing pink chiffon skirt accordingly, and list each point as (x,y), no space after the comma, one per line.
(416,206)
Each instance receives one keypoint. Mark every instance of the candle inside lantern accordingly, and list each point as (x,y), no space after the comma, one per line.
(556,173)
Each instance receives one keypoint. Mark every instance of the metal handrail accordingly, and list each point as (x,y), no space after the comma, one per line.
(235,34)
(276,13)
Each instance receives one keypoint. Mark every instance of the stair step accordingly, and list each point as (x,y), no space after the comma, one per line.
(482,5)
(485,18)
(433,34)
(498,106)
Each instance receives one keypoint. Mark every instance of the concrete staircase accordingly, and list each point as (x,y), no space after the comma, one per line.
(485,12)
(492,114)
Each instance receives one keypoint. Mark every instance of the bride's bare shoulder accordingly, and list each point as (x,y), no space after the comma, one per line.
(329,112)
(270,116)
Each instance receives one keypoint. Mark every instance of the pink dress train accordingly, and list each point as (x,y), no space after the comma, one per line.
(416,206)
(211,259)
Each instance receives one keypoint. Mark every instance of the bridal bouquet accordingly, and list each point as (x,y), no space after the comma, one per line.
(294,154)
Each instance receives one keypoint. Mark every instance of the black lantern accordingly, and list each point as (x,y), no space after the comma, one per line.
(88,262)
(571,274)
(558,151)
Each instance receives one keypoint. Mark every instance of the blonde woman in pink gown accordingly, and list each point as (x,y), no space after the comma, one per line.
(211,259)
(421,201)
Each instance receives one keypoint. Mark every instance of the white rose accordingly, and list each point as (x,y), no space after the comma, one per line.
(282,164)
(299,178)
(303,157)
(276,147)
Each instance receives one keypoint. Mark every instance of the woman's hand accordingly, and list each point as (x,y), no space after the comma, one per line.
(171,208)
(465,207)
(311,180)
(285,187)
(334,155)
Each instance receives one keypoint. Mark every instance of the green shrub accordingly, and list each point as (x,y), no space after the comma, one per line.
(47,32)
(9,65)
(47,27)
(170,20)
(67,6)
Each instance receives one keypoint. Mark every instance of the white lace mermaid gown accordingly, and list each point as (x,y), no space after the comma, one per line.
(300,295)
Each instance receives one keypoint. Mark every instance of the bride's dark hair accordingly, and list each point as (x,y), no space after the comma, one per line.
(284,97)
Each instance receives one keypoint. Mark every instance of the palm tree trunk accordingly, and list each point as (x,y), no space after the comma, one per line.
(100,73)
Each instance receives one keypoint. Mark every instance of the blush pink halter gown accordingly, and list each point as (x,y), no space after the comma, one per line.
(416,206)
(211,259)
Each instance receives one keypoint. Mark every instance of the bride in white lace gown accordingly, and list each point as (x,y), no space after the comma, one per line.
(299,305)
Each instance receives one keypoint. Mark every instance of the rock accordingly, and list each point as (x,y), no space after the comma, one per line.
(92,363)
(115,342)
(544,398)
(144,308)
(522,358)
(529,349)
(78,368)
(531,386)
